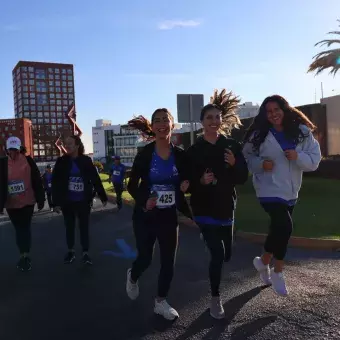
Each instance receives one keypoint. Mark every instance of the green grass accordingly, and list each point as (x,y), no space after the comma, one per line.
(110,191)
(316,214)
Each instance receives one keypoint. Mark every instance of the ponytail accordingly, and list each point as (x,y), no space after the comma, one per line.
(143,125)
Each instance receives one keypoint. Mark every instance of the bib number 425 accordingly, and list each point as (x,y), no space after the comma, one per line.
(166,199)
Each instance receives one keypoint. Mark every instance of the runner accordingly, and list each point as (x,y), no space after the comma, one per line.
(118,175)
(279,147)
(217,165)
(47,181)
(20,189)
(73,179)
(155,186)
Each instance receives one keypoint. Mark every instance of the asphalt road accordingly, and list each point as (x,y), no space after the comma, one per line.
(71,302)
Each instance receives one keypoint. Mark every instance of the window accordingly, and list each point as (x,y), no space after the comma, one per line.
(47,120)
(36,153)
(70,96)
(24,82)
(25,88)
(32,95)
(32,75)
(25,95)
(50,70)
(50,76)
(65,121)
(60,121)
(40,121)
(32,101)
(42,99)
(52,102)
(64,77)
(58,108)
(41,86)
(24,68)
(52,108)
(64,89)
(70,89)
(32,88)
(57,83)
(58,102)
(69,71)
(40,108)
(31,82)
(57,77)
(51,89)
(53,121)
(32,107)
(26,115)
(30,69)
(40,74)
(64,83)
(53,114)
(52,95)
(65,96)
(25,101)
(63,71)
(40,114)
(46,114)
(65,108)
(56,70)
(70,78)
(58,96)
(51,83)
(57,89)
(65,102)
(70,83)
(33,114)
(59,114)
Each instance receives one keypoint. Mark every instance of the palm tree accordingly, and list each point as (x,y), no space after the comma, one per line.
(327,59)
(228,104)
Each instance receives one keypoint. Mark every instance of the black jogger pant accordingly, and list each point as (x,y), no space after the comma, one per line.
(147,231)
(49,199)
(119,191)
(219,240)
(280,228)
(21,220)
(71,211)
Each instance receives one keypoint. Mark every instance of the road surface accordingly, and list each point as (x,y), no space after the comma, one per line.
(70,302)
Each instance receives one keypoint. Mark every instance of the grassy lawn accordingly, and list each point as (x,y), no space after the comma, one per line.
(316,214)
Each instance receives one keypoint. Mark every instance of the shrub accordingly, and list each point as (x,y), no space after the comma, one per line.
(98,165)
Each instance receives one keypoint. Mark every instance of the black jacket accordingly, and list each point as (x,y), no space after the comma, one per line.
(219,200)
(61,174)
(37,184)
(139,185)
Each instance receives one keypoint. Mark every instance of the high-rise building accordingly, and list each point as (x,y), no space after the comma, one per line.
(44,93)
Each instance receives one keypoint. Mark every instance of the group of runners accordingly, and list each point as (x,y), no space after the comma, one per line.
(278,147)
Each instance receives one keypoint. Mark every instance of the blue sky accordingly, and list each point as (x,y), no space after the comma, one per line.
(132,57)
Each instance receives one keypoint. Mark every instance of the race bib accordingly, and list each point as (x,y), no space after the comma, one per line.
(16,187)
(165,199)
(116,173)
(75,186)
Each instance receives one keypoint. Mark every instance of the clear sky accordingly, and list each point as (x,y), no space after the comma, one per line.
(131,57)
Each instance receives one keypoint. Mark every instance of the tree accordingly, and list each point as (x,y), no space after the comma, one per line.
(228,104)
(327,59)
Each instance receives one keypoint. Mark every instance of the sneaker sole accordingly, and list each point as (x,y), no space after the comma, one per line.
(220,317)
(69,262)
(159,313)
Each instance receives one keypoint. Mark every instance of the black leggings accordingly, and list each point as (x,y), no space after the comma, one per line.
(280,228)
(21,220)
(49,199)
(147,231)
(219,240)
(70,212)
(119,191)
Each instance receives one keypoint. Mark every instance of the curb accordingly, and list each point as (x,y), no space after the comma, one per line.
(295,242)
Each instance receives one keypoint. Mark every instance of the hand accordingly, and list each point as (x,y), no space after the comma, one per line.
(207,178)
(268,165)
(57,210)
(151,203)
(185,186)
(229,157)
(104,203)
(291,155)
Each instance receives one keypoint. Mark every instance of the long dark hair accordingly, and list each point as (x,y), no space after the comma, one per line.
(78,142)
(258,130)
(144,126)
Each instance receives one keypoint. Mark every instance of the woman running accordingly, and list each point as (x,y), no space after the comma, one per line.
(279,147)
(73,179)
(217,165)
(155,186)
(20,189)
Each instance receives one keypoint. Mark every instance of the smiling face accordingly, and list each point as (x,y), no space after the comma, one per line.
(162,124)
(274,114)
(71,147)
(212,121)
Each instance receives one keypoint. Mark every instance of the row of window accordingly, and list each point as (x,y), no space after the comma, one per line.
(58,102)
(128,152)
(18,82)
(53,108)
(8,128)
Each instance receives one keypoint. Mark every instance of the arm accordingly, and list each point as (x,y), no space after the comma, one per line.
(135,176)
(254,161)
(239,171)
(96,181)
(309,157)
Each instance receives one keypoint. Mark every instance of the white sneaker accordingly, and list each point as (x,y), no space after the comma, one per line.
(279,285)
(216,308)
(164,309)
(132,289)
(263,270)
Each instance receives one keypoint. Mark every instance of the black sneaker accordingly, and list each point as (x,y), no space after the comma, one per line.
(87,259)
(70,257)
(24,264)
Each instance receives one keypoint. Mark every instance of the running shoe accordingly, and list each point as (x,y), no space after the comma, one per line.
(132,289)
(263,270)
(70,257)
(216,308)
(279,284)
(164,309)
(87,259)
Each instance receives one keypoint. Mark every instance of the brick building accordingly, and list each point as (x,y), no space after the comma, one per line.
(44,93)
(21,128)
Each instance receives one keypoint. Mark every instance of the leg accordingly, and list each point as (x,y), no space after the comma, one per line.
(212,238)
(227,238)
(119,190)
(145,242)
(49,200)
(83,214)
(70,224)
(168,241)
